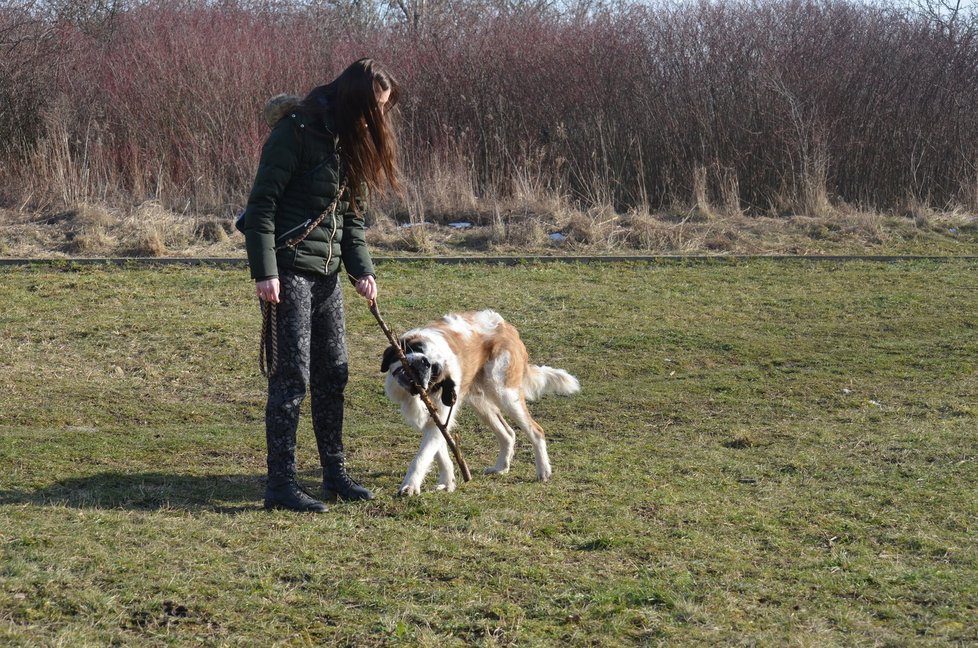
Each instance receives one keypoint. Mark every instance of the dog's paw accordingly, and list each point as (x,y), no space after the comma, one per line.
(409,489)
(544,474)
(448,487)
(495,470)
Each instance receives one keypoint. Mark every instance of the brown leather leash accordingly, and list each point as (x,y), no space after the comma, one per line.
(268,345)
(453,443)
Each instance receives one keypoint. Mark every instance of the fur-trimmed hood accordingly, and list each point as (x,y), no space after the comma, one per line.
(279,106)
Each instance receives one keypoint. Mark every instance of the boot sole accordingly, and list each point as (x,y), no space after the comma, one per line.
(333,496)
(275,506)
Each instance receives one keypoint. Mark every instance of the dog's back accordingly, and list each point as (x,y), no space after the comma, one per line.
(496,358)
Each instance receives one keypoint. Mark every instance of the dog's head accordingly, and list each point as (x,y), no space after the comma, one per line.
(425,364)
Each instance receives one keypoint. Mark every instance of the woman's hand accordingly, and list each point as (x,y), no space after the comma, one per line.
(267,290)
(367,287)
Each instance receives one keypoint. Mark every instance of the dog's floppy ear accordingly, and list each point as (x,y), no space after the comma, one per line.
(448,394)
(390,355)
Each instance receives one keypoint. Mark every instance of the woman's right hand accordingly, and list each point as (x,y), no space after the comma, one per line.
(267,290)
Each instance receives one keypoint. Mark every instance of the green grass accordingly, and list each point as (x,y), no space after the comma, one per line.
(763,453)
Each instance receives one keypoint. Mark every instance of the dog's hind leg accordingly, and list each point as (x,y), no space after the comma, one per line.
(514,406)
(505,435)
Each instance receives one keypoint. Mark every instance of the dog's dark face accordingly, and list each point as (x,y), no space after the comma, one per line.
(429,373)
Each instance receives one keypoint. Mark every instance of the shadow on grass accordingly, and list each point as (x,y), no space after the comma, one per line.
(148,492)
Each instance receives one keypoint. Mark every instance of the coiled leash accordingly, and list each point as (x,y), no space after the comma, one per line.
(268,346)
(453,443)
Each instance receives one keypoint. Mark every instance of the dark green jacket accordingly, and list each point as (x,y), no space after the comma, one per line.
(298,177)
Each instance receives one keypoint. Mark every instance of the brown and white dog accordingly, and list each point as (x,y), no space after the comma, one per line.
(478,358)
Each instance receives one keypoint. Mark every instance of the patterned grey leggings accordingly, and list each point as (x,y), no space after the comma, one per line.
(311,335)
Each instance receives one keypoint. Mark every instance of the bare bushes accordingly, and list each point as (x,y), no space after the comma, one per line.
(582,123)
(802,107)
(164,106)
(29,44)
(970,200)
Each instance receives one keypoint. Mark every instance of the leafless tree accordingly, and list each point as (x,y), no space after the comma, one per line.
(952,17)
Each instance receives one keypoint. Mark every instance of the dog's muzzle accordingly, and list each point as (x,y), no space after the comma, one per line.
(422,369)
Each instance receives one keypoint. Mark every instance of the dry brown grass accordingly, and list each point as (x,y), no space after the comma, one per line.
(648,232)
(449,186)
(524,231)
(155,230)
(88,230)
(542,225)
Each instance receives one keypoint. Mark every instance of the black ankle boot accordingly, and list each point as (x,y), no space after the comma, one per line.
(336,483)
(290,496)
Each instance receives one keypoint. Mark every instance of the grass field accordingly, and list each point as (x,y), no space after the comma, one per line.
(763,453)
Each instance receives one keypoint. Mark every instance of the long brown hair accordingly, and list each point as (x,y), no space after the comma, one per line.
(368,143)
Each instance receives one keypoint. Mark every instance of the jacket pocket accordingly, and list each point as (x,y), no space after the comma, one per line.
(287,257)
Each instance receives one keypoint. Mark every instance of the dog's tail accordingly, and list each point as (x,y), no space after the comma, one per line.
(541,380)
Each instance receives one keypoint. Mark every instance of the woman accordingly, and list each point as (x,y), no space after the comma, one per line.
(339,136)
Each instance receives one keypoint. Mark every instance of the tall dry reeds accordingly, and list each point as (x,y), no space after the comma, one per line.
(724,107)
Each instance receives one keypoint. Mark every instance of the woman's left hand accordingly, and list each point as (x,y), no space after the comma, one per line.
(367,287)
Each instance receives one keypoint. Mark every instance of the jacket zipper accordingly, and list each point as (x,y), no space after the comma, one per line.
(294,229)
(329,255)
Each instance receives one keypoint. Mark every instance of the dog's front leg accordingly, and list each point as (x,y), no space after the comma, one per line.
(446,470)
(431,444)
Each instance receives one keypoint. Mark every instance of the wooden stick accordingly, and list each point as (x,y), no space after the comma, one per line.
(452,445)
